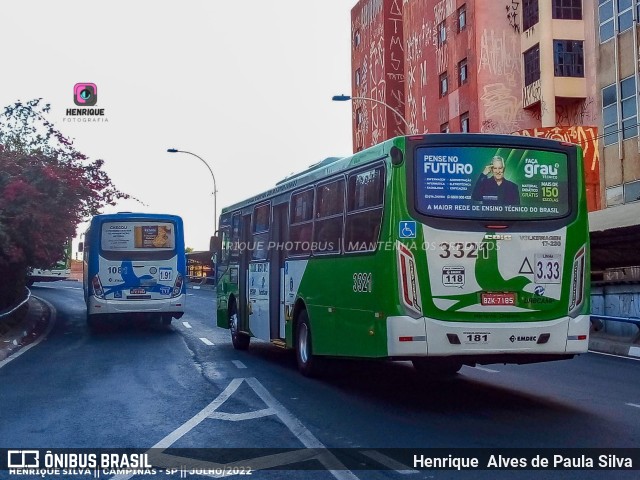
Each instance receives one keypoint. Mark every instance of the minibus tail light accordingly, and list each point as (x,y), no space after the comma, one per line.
(576,295)
(97,287)
(177,286)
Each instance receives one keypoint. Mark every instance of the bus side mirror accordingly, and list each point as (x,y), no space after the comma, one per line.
(81,247)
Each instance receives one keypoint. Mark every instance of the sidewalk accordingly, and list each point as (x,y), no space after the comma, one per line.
(22,334)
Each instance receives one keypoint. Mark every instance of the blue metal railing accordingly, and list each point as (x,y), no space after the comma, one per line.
(634,320)
(8,311)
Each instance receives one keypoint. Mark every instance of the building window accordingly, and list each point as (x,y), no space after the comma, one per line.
(567,9)
(444,128)
(610,114)
(444,84)
(356,38)
(615,16)
(625,14)
(357,77)
(464,122)
(462,72)
(442,33)
(568,58)
(529,14)
(532,65)
(462,18)
(605,14)
(628,107)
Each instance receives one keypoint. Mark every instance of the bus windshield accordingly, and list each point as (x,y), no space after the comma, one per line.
(138,239)
(491,183)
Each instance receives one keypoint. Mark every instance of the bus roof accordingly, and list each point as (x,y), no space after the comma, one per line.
(105,217)
(318,171)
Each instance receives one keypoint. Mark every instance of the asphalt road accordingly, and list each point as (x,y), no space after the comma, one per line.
(141,386)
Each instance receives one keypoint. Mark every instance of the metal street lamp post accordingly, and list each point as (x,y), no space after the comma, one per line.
(215,190)
(344,98)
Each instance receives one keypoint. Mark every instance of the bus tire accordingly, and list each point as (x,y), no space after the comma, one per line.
(307,362)
(239,340)
(437,367)
(92,322)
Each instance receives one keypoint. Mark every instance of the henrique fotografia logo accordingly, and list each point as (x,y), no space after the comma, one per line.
(85,94)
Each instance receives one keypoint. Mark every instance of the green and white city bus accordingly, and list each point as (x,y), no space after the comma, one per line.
(442,249)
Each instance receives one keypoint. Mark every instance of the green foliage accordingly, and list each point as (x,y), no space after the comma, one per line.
(47,188)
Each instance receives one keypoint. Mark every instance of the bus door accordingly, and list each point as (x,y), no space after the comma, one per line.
(276,267)
(243,269)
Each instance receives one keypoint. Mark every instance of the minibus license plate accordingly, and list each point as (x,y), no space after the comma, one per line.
(138,291)
(502,298)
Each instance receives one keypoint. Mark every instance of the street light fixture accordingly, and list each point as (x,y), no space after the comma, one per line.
(344,98)
(215,190)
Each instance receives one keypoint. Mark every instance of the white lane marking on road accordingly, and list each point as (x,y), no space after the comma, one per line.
(206,341)
(617,356)
(52,321)
(186,324)
(314,450)
(484,369)
(389,462)
(633,405)
(238,364)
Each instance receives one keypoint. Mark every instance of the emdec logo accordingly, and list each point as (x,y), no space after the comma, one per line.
(85,94)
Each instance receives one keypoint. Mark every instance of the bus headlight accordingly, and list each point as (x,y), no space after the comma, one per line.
(97,287)
(177,286)
(576,296)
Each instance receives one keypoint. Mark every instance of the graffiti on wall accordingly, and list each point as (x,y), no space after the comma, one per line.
(513,15)
(502,109)
(499,55)
(587,138)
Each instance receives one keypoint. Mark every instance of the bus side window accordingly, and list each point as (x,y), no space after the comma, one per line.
(261,225)
(364,213)
(301,223)
(329,217)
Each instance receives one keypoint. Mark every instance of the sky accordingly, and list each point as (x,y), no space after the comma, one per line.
(245,85)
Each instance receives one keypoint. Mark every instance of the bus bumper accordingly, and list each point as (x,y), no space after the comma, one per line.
(411,337)
(173,306)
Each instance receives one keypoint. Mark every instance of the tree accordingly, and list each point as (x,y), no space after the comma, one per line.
(47,188)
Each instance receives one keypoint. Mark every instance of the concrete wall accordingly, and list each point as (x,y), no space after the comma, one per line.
(617,301)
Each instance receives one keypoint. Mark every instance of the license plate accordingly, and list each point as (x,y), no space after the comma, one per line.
(502,298)
(138,291)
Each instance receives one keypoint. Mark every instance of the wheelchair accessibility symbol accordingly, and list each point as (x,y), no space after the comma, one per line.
(407,229)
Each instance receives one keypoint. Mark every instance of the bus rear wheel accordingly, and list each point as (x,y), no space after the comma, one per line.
(239,340)
(307,362)
(437,367)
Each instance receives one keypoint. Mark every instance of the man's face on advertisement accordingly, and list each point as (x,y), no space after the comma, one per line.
(498,170)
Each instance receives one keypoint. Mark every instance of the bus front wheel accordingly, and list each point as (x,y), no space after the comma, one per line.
(239,340)
(307,362)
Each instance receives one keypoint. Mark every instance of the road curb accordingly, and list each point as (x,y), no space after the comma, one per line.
(27,331)
(613,345)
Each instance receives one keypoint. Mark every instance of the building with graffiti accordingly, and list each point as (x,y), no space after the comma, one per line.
(477,66)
